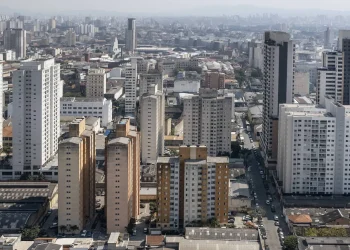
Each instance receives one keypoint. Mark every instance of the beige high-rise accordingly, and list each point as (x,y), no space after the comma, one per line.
(76,176)
(122,176)
(96,81)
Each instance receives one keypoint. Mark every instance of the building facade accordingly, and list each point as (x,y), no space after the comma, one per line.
(148,79)
(96,81)
(214,80)
(313,148)
(15,39)
(278,81)
(152,107)
(36,125)
(207,120)
(130,35)
(130,86)
(81,106)
(76,175)
(1,105)
(192,187)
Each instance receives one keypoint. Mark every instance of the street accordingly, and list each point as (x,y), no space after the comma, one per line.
(272,240)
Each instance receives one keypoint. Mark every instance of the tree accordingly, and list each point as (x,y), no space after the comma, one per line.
(235,150)
(63,228)
(74,228)
(213,222)
(291,242)
(30,233)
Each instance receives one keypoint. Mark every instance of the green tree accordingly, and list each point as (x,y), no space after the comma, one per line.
(311,232)
(291,242)
(235,149)
(213,222)
(30,233)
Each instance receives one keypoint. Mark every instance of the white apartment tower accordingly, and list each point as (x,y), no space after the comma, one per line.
(130,86)
(207,120)
(278,83)
(152,107)
(314,148)
(36,125)
(330,77)
(130,35)
(71,38)
(96,81)
(15,39)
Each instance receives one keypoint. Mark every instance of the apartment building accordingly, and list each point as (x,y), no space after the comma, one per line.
(278,81)
(207,120)
(130,86)
(1,104)
(76,175)
(313,148)
(192,187)
(148,79)
(96,83)
(15,39)
(81,106)
(122,176)
(130,35)
(152,107)
(36,125)
(330,77)
(214,80)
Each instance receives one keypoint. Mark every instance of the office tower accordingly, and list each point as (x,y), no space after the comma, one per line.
(1,102)
(76,175)
(327,38)
(256,55)
(71,38)
(36,125)
(96,81)
(344,47)
(52,24)
(278,83)
(313,148)
(192,187)
(15,39)
(14,24)
(122,176)
(130,86)
(207,120)
(130,35)
(330,77)
(148,79)
(214,80)
(152,105)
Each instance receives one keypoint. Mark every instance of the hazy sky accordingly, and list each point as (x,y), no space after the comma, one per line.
(165,5)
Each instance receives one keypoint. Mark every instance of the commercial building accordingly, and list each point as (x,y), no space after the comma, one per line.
(130,86)
(15,39)
(256,55)
(76,175)
(1,104)
(214,80)
(327,38)
(192,187)
(313,148)
(278,84)
(148,79)
(81,106)
(96,83)
(330,77)
(207,120)
(344,48)
(130,35)
(152,107)
(36,125)
(122,176)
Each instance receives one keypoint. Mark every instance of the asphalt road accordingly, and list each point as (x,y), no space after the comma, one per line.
(272,240)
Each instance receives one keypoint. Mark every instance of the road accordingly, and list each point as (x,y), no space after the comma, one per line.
(272,240)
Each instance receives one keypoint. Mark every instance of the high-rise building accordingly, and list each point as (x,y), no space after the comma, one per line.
(207,120)
(278,80)
(330,77)
(1,102)
(122,176)
(96,81)
(327,38)
(152,105)
(214,80)
(148,79)
(130,86)
(192,187)
(130,35)
(256,55)
(36,125)
(71,38)
(76,175)
(52,24)
(15,39)
(344,47)
(313,144)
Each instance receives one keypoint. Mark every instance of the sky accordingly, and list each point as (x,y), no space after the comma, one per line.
(155,6)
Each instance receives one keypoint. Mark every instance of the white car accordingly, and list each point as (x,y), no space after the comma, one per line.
(276,218)
(277,223)
(83,233)
(267,202)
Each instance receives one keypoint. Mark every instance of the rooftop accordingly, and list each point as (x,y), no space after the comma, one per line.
(154,240)
(227,234)
(82,99)
(300,218)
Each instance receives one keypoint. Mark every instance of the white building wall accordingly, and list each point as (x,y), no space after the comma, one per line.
(130,86)
(186,86)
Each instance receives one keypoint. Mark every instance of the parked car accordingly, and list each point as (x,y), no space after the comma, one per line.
(145,230)
(275,218)
(277,223)
(267,202)
(83,233)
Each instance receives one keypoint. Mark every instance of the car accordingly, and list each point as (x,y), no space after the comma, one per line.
(134,232)
(263,176)
(83,233)
(275,218)
(260,226)
(279,230)
(261,172)
(267,202)
(89,234)
(145,230)
(270,198)
(282,237)
(277,223)
(273,209)
(264,237)
(231,221)
(49,212)
(281,234)
(255,196)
